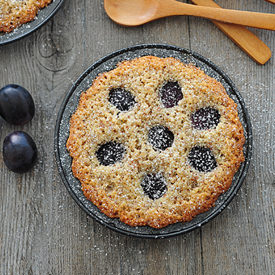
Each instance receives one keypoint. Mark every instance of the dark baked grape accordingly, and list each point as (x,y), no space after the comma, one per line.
(171,94)
(202,159)
(160,137)
(154,185)
(123,100)
(205,118)
(110,153)
(16,104)
(19,152)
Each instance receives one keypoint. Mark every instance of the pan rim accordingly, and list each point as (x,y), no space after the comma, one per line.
(57,4)
(244,168)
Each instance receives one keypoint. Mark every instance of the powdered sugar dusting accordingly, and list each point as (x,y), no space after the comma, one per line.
(205,118)
(202,159)
(160,137)
(154,185)
(42,16)
(85,82)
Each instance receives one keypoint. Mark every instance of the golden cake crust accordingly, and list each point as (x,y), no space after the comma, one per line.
(116,189)
(14,13)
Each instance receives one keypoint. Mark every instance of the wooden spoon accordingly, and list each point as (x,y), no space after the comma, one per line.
(271,1)
(244,38)
(134,13)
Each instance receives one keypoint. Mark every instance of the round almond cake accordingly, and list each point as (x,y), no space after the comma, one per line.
(14,13)
(155,141)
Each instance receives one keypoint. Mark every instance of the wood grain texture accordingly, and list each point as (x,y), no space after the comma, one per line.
(43,231)
(244,38)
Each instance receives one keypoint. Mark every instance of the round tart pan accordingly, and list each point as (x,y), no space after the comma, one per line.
(69,106)
(41,18)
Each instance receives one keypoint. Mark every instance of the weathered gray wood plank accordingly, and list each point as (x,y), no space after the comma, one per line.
(43,231)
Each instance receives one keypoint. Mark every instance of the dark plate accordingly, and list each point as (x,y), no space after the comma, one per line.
(42,17)
(69,106)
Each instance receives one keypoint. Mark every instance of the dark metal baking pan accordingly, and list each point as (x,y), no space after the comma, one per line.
(69,106)
(41,18)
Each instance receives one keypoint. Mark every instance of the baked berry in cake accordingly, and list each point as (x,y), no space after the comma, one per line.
(155,141)
(14,13)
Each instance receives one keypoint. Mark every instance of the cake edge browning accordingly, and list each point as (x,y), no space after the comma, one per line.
(12,22)
(203,202)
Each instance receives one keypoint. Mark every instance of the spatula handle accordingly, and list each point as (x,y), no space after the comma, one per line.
(244,38)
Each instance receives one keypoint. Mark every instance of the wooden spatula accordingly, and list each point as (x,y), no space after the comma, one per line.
(271,1)
(244,38)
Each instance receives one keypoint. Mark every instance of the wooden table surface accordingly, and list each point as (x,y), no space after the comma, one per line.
(43,231)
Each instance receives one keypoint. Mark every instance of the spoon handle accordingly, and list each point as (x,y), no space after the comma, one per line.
(244,38)
(246,18)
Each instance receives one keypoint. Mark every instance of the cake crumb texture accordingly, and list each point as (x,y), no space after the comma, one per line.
(122,189)
(14,13)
